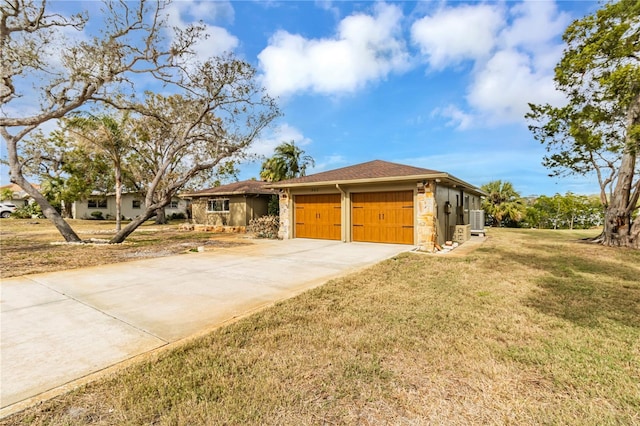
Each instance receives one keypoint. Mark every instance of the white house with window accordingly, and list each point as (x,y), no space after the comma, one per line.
(104,206)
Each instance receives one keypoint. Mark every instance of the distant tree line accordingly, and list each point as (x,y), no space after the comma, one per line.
(504,207)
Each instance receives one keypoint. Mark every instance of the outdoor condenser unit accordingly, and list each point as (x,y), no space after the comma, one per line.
(476,219)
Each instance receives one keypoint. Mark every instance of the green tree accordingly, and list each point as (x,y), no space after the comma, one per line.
(503,204)
(598,130)
(6,194)
(289,161)
(567,211)
(108,134)
(65,170)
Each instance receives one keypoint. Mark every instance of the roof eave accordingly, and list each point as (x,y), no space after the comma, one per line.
(218,194)
(428,176)
(358,181)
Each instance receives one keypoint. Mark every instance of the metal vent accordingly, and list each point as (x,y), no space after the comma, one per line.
(476,217)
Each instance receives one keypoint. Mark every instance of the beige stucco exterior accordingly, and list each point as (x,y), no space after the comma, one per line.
(242,209)
(81,209)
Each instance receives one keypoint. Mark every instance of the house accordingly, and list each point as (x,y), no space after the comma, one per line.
(132,205)
(378,201)
(235,204)
(19,197)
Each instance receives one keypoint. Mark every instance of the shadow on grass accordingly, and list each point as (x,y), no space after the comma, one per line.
(581,289)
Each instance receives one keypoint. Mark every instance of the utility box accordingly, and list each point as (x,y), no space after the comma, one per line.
(461,233)
(476,217)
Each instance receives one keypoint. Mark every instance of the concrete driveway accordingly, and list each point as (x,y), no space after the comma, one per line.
(59,328)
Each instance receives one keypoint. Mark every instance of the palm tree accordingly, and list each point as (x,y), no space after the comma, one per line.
(288,162)
(503,202)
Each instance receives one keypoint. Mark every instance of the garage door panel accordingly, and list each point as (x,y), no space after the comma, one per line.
(318,216)
(383,217)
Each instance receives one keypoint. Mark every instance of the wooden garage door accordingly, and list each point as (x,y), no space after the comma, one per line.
(382,217)
(318,216)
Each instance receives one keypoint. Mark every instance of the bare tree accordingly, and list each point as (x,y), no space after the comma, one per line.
(70,73)
(221,112)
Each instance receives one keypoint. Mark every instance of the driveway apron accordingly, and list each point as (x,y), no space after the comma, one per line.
(63,326)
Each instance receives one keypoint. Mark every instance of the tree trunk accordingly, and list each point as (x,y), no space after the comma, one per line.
(618,228)
(118,176)
(132,226)
(161,216)
(47,209)
(619,231)
(67,211)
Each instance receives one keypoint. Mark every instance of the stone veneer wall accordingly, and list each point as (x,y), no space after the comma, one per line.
(284,231)
(426,217)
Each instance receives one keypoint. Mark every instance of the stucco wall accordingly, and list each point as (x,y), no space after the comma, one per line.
(257,206)
(81,210)
(241,210)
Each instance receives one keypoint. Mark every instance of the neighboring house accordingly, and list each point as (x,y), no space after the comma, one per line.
(132,205)
(20,198)
(377,201)
(235,204)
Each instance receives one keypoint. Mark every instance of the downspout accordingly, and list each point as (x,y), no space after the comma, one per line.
(343,214)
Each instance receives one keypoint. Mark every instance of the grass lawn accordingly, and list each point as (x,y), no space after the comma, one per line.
(534,327)
(34,246)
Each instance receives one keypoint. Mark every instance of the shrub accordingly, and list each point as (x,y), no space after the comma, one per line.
(265,226)
(97,215)
(177,216)
(28,211)
(273,208)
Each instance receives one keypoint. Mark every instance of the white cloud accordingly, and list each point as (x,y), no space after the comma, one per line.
(328,163)
(456,34)
(513,59)
(457,118)
(535,23)
(283,133)
(218,40)
(329,6)
(506,84)
(366,48)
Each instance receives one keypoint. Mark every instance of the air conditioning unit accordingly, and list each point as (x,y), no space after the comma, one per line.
(476,217)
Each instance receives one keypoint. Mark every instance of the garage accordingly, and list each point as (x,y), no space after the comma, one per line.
(376,202)
(382,217)
(318,216)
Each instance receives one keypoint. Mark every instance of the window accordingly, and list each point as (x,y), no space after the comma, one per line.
(136,204)
(97,203)
(218,205)
(173,205)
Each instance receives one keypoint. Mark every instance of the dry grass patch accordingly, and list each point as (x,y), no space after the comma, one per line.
(35,246)
(534,327)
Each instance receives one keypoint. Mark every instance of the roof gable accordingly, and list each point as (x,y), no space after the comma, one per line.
(375,171)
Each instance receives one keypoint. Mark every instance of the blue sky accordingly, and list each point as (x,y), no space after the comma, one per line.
(440,85)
